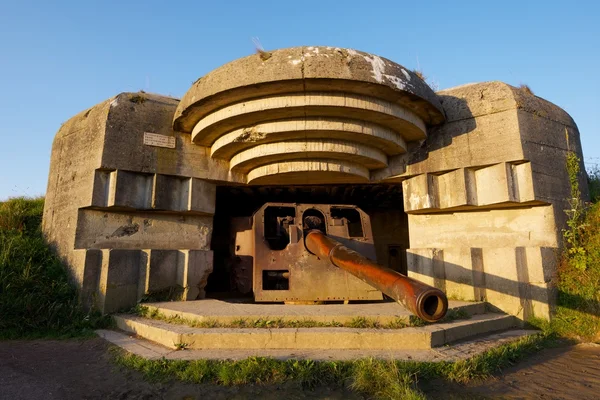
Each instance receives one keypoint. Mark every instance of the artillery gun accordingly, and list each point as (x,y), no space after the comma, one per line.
(302,253)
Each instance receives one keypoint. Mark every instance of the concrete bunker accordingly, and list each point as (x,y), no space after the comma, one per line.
(143,195)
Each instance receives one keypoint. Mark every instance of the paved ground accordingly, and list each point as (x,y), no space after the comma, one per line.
(82,370)
(571,372)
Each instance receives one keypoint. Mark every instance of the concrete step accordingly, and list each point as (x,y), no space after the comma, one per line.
(426,337)
(453,352)
(225,312)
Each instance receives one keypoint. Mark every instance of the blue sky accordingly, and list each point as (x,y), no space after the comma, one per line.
(59,58)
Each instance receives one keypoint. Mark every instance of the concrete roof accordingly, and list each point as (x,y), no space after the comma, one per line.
(307,69)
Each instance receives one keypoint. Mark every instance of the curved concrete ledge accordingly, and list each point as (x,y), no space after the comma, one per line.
(240,115)
(305,69)
(314,171)
(322,149)
(390,142)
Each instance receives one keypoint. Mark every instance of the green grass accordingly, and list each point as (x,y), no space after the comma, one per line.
(385,379)
(36,297)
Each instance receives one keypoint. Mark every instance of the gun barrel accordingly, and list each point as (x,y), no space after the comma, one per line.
(426,302)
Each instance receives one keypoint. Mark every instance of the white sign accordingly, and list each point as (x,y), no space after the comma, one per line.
(154,139)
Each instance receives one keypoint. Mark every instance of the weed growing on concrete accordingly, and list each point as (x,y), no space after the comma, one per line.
(363,322)
(375,378)
(277,323)
(36,297)
(433,85)
(181,346)
(526,89)
(137,99)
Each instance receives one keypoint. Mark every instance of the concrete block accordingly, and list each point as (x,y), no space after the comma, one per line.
(164,269)
(142,230)
(202,196)
(494,185)
(541,268)
(527,227)
(502,280)
(130,189)
(420,193)
(119,280)
(458,273)
(452,190)
(199,265)
(92,269)
(102,188)
(171,193)
(522,179)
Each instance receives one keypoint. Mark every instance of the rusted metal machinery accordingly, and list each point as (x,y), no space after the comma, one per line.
(323,252)
(425,301)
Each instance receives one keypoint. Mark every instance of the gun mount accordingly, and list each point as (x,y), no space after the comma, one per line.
(324,252)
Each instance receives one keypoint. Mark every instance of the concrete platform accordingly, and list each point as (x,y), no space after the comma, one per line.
(453,352)
(424,337)
(228,311)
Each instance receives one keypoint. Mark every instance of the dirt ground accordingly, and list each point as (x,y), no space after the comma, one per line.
(81,369)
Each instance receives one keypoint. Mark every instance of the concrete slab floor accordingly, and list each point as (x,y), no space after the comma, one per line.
(229,310)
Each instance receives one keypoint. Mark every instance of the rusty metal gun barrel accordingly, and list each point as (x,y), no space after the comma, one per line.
(426,302)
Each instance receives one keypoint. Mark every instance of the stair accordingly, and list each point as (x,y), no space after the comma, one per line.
(177,327)
(426,337)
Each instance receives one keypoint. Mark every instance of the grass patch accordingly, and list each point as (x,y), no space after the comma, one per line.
(137,98)
(36,297)
(275,323)
(371,377)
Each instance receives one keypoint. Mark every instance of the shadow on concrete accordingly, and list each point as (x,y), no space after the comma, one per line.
(460,121)
(520,289)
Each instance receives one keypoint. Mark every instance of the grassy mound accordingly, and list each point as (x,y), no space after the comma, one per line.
(36,297)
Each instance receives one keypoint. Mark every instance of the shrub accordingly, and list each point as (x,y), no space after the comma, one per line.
(594,184)
(578,276)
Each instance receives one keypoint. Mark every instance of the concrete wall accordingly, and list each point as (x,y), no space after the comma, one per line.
(486,194)
(128,218)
